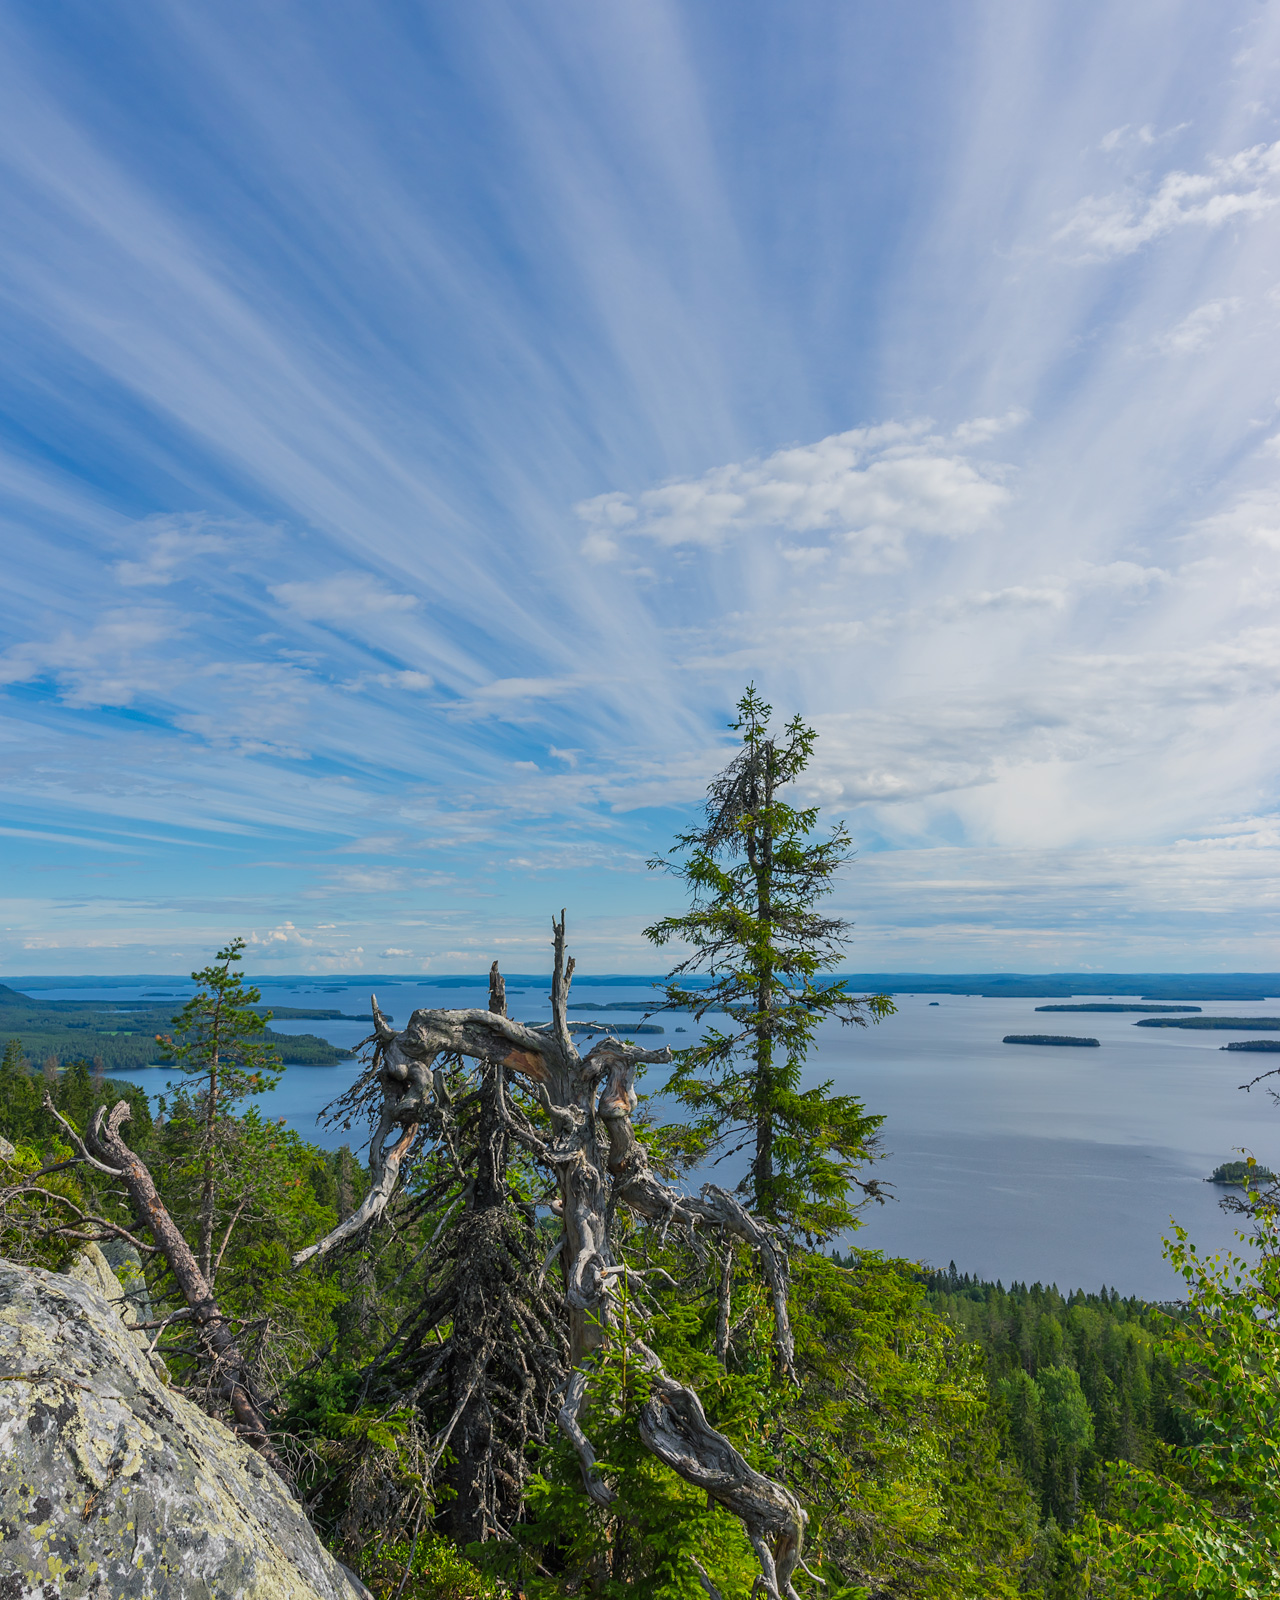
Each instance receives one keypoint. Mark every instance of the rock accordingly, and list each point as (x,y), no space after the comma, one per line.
(91,1266)
(7,1151)
(126,1263)
(114,1487)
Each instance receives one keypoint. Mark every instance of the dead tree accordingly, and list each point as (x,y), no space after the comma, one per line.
(598,1165)
(230,1377)
(488,1385)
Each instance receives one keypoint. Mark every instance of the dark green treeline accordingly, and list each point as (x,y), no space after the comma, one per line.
(1082,1379)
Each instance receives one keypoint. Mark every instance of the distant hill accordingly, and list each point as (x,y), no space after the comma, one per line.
(122,1033)
(991,985)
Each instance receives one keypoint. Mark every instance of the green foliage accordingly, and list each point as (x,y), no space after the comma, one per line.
(889,1441)
(430,1569)
(273,1194)
(1082,1380)
(1204,1523)
(21,1115)
(1242,1172)
(755,873)
(31,1207)
(217,1043)
(77,1092)
(217,1036)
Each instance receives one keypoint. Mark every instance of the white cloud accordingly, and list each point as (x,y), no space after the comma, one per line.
(1198,328)
(1144,137)
(516,697)
(412,682)
(1253,516)
(1244,184)
(284,934)
(870,489)
(168,544)
(391,951)
(341,597)
(112,663)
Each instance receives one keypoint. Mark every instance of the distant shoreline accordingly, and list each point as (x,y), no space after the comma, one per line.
(1137,986)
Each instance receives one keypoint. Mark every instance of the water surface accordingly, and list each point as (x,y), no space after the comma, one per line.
(1015,1161)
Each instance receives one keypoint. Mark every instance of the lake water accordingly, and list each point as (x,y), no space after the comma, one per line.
(1015,1161)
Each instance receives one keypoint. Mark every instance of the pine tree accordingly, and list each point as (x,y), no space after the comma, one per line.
(216,1043)
(756,873)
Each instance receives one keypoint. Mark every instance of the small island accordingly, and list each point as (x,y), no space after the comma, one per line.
(1049,1038)
(1106,1005)
(1240,1172)
(1251,1044)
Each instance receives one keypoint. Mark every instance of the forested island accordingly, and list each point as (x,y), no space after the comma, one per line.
(1252,1044)
(1103,1005)
(1236,1024)
(1239,1172)
(1050,1038)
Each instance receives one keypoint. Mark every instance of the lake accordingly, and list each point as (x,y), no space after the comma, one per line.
(1015,1161)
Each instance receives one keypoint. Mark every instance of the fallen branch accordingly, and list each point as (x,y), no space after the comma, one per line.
(230,1372)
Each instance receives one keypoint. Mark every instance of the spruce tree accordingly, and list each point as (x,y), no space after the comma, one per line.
(756,871)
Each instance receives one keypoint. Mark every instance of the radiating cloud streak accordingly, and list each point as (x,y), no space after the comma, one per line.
(418,428)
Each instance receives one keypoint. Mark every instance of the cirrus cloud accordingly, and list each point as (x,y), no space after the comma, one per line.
(341,597)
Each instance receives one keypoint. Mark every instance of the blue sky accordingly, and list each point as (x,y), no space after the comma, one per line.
(419,421)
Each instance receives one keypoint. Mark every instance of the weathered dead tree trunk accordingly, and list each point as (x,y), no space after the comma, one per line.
(487,1474)
(230,1377)
(598,1164)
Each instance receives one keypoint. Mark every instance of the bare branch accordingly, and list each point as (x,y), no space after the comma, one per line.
(76,1140)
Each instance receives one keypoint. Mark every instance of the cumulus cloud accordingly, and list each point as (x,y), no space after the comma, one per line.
(869,490)
(1245,184)
(341,597)
(284,934)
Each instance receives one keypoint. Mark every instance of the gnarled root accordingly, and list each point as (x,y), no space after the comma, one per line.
(674,1427)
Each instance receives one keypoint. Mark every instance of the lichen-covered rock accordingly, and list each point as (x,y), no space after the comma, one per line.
(114,1487)
(93,1266)
(126,1263)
